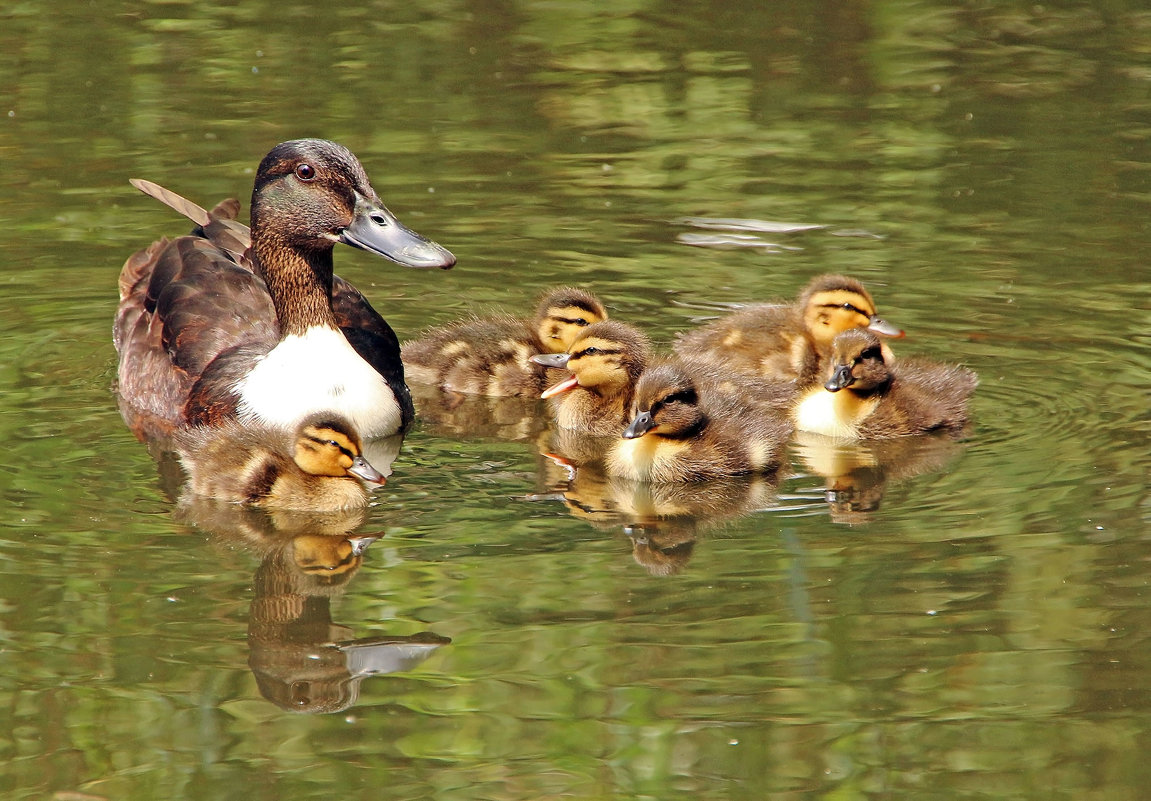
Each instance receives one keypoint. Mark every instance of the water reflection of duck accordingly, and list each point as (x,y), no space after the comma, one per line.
(320,467)
(449,414)
(209,328)
(605,360)
(492,355)
(867,396)
(694,421)
(301,659)
(789,341)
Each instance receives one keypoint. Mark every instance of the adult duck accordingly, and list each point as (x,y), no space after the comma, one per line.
(251,324)
(789,341)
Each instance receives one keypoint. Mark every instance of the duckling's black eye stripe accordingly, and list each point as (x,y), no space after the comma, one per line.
(322,441)
(847,306)
(570,320)
(684,396)
(596,352)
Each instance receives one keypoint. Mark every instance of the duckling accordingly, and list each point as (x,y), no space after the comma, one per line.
(692,422)
(319,468)
(605,360)
(492,355)
(789,341)
(232,322)
(865,396)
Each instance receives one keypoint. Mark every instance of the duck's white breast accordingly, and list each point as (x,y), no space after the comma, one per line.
(316,372)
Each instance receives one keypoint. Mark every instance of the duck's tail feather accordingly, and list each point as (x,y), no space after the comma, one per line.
(195,213)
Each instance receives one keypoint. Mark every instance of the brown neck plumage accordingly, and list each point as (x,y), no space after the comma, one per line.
(299,282)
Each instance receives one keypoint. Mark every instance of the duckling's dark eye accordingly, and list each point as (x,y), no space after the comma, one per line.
(581,322)
(589,352)
(871,353)
(305,172)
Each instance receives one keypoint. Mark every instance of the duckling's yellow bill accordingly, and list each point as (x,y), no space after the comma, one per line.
(561,387)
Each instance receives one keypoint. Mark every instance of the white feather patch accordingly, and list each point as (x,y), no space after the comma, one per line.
(316,372)
(833,414)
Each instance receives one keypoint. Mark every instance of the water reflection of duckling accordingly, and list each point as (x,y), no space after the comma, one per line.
(789,341)
(691,422)
(856,473)
(663,521)
(318,468)
(606,361)
(301,659)
(867,397)
(492,355)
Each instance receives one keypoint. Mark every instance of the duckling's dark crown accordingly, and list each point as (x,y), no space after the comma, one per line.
(571,297)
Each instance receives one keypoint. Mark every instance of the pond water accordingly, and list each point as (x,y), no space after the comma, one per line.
(929,620)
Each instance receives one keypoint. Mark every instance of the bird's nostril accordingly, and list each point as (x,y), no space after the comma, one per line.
(379,219)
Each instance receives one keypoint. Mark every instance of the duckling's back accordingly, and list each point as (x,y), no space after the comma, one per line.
(923,397)
(478,356)
(763,339)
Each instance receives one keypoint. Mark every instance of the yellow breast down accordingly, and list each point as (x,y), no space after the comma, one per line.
(833,414)
(647,458)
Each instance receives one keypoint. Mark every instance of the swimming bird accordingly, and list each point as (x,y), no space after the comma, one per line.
(789,341)
(692,421)
(319,468)
(867,396)
(493,355)
(605,360)
(232,322)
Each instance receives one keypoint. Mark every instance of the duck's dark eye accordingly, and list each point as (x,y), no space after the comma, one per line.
(589,352)
(305,172)
(581,322)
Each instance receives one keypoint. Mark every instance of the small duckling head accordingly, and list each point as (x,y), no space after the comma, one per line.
(857,361)
(563,314)
(835,303)
(667,404)
(606,358)
(327,445)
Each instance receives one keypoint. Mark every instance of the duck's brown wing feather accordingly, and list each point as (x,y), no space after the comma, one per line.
(184,304)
